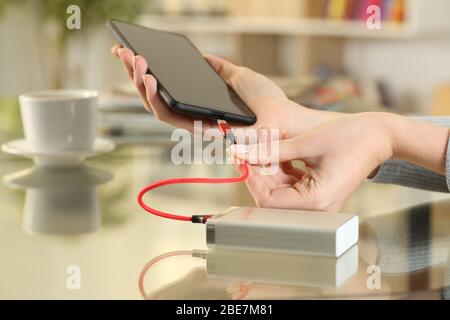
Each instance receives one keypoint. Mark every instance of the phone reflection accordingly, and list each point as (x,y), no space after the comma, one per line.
(59,201)
(233,274)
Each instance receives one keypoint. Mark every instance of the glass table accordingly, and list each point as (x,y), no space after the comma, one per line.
(78,233)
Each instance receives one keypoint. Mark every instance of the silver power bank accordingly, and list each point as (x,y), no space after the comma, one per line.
(291,231)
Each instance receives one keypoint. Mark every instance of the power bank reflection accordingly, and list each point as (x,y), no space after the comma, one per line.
(282,268)
(234,273)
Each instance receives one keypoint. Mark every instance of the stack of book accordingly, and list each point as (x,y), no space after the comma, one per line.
(124,119)
(391,10)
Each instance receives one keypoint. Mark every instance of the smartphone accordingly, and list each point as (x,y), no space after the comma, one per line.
(186,82)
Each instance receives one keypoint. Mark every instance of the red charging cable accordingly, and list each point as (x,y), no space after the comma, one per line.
(154,261)
(227,133)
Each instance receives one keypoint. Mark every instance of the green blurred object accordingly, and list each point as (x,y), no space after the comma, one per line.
(54,13)
(4,4)
(93,12)
(10,124)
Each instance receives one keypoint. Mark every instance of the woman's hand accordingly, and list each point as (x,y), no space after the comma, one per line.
(271,106)
(338,156)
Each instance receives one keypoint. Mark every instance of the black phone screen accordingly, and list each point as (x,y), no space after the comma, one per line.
(181,69)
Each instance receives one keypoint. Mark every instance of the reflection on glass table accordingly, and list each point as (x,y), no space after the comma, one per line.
(59,200)
(274,268)
(402,255)
(101,229)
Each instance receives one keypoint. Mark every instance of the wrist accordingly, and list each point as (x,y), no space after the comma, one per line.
(391,124)
(420,143)
(380,127)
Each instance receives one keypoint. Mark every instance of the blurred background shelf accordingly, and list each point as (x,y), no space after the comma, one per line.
(402,19)
(315,45)
(276,26)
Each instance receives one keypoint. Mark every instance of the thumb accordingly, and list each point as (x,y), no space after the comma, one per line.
(278,151)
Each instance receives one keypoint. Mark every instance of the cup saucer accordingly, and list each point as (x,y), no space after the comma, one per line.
(52,158)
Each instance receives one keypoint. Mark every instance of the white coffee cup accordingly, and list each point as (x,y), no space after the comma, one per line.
(59,120)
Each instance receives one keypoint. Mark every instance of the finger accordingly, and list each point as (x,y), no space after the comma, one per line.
(299,147)
(252,154)
(255,134)
(257,185)
(290,198)
(224,68)
(151,95)
(139,70)
(234,161)
(162,112)
(126,56)
(289,169)
(114,50)
(283,196)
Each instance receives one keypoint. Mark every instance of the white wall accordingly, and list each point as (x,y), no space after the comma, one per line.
(412,68)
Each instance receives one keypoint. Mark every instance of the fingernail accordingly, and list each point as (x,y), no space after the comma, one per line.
(119,52)
(239,149)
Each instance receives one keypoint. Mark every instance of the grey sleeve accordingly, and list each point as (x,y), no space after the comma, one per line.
(409,175)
